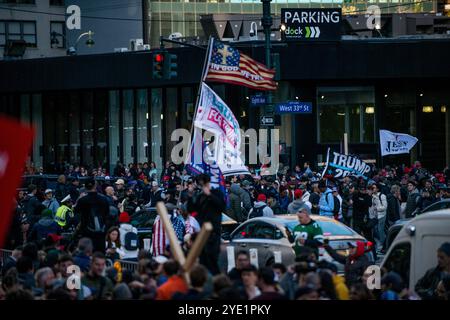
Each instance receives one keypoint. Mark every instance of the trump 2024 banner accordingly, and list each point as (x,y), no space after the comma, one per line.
(396,143)
(341,165)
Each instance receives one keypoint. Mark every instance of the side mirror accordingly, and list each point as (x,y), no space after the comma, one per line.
(226,236)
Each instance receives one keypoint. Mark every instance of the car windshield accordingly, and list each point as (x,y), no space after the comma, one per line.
(328,227)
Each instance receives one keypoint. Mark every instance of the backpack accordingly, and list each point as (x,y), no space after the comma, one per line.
(96,223)
(257,212)
(131,241)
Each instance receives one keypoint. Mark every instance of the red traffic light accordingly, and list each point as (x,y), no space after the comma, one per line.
(159,57)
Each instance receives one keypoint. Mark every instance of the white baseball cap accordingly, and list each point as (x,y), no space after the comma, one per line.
(161,259)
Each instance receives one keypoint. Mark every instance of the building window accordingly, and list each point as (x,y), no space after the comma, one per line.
(18,30)
(18,1)
(57,3)
(348,110)
(59,30)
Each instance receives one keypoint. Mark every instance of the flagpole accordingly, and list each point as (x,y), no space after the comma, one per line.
(199,91)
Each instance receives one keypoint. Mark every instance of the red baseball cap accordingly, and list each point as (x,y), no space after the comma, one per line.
(124,217)
(261,197)
(298,193)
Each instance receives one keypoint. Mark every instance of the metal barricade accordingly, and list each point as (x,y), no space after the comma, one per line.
(4,254)
(129,265)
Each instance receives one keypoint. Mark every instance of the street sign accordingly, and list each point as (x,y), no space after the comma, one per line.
(293,107)
(258,100)
(311,24)
(267,121)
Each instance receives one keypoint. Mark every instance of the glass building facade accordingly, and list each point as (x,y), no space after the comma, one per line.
(183,16)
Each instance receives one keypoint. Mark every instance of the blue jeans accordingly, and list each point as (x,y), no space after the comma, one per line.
(380,233)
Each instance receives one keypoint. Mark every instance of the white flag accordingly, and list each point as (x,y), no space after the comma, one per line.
(216,117)
(395,143)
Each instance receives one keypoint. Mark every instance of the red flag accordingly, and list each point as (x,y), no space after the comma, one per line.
(15,143)
(229,65)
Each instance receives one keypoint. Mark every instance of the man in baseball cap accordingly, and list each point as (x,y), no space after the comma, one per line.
(50,202)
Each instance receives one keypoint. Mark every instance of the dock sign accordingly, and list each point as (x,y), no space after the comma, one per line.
(311,24)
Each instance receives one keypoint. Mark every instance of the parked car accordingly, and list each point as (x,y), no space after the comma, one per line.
(397,226)
(271,235)
(144,219)
(414,249)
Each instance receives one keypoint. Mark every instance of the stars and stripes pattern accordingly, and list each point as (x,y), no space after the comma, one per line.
(159,239)
(228,65)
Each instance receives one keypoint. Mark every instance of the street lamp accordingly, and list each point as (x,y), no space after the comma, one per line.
(89,42)
(378,28)
(266,22)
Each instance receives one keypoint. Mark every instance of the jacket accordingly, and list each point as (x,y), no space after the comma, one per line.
(31,204)
(124,253)
(326,203)
(246,199)
(427,285)
(361,204)
(209,208)
(412,203)
(92,201)
(51,204)
(101,287)
(275,206)
(267,212)
(235,210)
(173,285)
(284,204)
(61,191)
(64,216)
(393,208)
(379,202)
(295,205)
(342,292)
(83,261)
(314,198)
(354,265)
(43,228)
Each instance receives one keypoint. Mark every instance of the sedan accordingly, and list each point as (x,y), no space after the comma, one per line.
(270,238)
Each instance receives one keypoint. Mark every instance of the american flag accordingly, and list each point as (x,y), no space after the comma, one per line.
(228,65)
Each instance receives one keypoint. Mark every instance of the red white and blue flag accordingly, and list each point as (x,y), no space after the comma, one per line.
(229,65)
(223,149)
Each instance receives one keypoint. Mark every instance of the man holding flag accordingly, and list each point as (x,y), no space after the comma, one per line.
(212,160)
(209,204)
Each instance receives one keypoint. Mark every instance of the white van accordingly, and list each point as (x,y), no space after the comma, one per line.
(414,250)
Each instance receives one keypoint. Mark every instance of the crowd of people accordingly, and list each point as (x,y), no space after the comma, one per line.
(87,222)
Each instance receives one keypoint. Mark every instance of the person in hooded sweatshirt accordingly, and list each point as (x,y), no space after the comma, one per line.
(355,263)
(128,238)
(235,209)
(45,226)
(297,203)
(260,208)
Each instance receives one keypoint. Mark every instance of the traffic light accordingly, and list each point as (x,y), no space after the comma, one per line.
(170,66)
(158,65)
